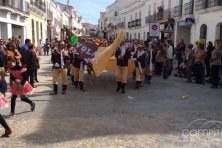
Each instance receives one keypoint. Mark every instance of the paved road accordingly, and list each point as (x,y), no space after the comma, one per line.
(152,117)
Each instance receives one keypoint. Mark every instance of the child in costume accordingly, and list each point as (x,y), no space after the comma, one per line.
(20,85)
(3,104)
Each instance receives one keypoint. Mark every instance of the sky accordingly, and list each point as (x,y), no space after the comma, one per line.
(89,9)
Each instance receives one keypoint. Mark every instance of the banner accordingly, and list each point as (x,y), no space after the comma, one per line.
(154,29)
(96,57)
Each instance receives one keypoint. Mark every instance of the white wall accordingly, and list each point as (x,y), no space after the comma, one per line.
(211,19)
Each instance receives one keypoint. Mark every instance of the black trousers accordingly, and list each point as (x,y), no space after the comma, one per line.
(207,64)
(215,74)
(3,122)
(36,74)
(13,101)
(179,60)
(158,68)
(30,73)
(199,72)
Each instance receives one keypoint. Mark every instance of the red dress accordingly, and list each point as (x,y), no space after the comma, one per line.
(16,88)
(3,101)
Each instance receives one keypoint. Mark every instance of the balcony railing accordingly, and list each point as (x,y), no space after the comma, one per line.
(135,23)
(204,4)
(14,4)
(39,4)
(188,8)
(120,25)
(177,12)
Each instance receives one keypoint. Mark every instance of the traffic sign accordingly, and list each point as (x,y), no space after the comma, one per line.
(169,28)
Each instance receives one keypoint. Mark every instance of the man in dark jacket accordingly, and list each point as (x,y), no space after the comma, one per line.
(122,55)
(30,62)
(59,59)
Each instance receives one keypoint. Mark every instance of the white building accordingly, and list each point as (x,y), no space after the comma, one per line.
(113,16)
(134,21)
(190,20)
(208,20)
(13,19)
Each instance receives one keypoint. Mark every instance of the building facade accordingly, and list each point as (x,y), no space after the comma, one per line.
(189,20)
(37,20)
(13,19)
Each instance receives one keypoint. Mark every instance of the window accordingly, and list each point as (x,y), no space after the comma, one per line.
(41,30)
(33,31)
(149,9)
(138,36)
(116,13)
(203,32)
(221,31)
(37,30)
(131,18)
(135,16)
(140,15)
(134,35)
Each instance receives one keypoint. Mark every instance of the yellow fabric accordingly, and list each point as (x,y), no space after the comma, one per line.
(121,74)
(56,74)
(103,55)
(139,75)
(78,74)
(111,65)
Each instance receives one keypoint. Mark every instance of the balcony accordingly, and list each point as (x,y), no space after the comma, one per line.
(120,25)
(188,8)
(40,4)
(204,4)
(177,11)
(135,23)
(15,4)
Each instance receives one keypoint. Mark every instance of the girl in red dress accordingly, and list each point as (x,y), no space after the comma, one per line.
(4,104)
(20,86)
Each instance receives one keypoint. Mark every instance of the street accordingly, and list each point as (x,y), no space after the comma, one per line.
(154,116)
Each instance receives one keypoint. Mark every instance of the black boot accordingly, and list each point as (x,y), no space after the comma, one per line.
(140,84)
(55,90)
(123,88)
(64,88)
(72,78)
(137,85)
(76,84)
(146,79)
(81,86)
(27,100)
(118,86)
(149,78)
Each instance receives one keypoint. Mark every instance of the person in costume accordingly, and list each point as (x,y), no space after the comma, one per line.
(78,70)
(59,59)
(140,61)
(3,104)
(149,63)
(20,86)
(123,54)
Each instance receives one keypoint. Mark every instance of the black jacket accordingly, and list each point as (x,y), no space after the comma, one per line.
(124,61)
(30,60)
(141,59)
(24,74)
(56,58)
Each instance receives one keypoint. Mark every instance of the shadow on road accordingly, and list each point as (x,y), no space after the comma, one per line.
(100,111)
